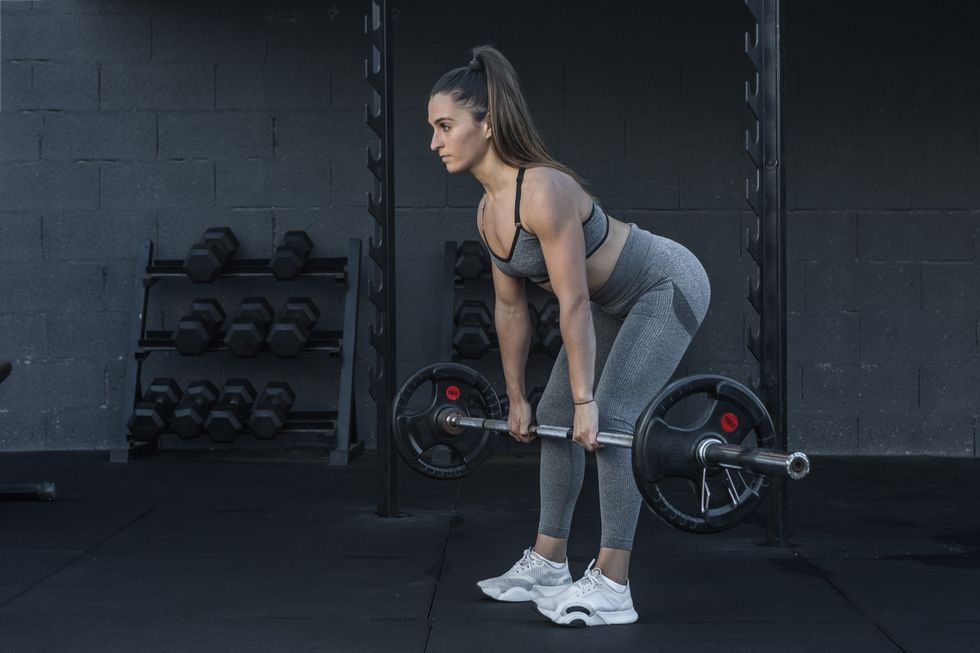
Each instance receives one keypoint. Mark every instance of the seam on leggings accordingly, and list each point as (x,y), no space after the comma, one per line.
(684,312)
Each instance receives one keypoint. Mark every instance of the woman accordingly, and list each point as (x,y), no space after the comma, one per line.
(630,302)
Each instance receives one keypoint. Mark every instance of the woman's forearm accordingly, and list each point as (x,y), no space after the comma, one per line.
(578,336)
(513,324)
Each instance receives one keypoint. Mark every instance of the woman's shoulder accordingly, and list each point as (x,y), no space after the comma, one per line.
(547,183)
(549,195)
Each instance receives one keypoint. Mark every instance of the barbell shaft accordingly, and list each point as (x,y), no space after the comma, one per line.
(763,461)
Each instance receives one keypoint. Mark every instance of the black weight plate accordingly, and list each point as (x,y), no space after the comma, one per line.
(664,463)
(418,439)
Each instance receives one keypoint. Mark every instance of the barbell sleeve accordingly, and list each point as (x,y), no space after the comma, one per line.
(763,461)
(713,453)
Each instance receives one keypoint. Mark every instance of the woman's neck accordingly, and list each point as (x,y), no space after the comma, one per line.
(496,177)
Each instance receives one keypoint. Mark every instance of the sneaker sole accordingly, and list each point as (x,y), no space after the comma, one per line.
(520,595)
(580,620)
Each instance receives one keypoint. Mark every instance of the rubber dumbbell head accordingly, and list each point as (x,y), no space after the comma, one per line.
(271,410)
(205,259)
(155,410)
(250,328)
(290,257)
(551,340)
(548,315)
(193,409)
(228,415)
(291,330)
(471,259)
(535,334)
(196,329)
(549,330)
(473,312)
(471,341)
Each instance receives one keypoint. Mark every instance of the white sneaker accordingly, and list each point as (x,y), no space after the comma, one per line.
(590,601)
(530,578)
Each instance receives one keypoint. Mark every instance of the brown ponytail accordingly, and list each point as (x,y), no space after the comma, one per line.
(488,86)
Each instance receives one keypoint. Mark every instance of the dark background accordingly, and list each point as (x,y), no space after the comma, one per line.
(123,121)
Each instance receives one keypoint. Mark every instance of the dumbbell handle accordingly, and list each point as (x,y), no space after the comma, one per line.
(43,491)
(711,452)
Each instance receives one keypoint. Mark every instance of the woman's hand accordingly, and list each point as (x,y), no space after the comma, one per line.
(586,427)
(519,420)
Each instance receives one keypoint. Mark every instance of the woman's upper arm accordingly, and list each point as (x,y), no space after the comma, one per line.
(508,290)
(553,217)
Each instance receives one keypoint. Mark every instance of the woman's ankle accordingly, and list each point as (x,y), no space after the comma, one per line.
(552,549)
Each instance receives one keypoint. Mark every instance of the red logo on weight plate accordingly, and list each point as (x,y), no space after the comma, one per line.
(729,422)
(452,393)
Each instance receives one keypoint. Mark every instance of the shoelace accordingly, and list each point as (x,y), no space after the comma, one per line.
(525,562)
(588,582)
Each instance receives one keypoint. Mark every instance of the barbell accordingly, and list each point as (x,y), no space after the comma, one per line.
(451,430)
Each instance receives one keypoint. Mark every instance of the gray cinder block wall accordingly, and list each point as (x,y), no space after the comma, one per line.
(129,120)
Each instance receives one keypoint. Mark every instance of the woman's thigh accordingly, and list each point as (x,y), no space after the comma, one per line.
(643,357)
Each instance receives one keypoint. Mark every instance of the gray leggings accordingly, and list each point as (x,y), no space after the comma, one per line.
(644,317)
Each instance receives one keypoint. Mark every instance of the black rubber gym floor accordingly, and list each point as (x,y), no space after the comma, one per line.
(219,553)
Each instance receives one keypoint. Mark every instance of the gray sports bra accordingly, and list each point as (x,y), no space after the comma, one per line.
(526,258)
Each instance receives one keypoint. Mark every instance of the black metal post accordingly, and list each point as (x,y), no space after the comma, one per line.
(768,246)
(378,71)
(448,298)
(119,453)
(348,445)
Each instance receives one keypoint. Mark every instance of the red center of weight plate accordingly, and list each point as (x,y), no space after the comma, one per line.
(452,393)
(729,422)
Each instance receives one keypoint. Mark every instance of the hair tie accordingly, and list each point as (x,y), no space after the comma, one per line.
(475,65)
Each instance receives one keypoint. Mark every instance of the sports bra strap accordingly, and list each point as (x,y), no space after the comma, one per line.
(517,198)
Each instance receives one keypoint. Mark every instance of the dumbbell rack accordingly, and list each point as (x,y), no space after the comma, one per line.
(331,430)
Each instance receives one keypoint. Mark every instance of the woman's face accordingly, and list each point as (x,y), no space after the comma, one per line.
(458,140)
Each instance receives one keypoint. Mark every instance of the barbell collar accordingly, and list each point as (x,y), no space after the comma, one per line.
(763,461)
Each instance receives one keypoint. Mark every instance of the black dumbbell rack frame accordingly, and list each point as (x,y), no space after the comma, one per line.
(331,430)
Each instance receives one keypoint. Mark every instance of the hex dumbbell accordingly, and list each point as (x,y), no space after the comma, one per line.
(193,409)
(250,328)
(196,329)
(549,330)
(471,338)
(271,410)
(206,258)
(535,334)
(155,410)
(228,415)
(471,259)
(291,330)
(291,255)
